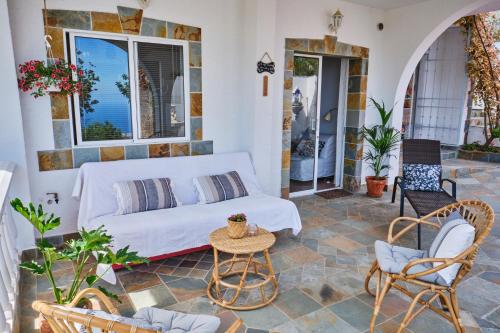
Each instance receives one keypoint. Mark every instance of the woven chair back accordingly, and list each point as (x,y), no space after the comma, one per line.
(63,320)
(421,151)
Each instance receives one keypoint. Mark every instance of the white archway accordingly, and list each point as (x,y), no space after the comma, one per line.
(411,32)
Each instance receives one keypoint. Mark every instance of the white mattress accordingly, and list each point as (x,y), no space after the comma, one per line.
(302,168)
(163,231)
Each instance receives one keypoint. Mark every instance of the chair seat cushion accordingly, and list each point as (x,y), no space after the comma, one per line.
(422,177)
(392,259)
(177,322)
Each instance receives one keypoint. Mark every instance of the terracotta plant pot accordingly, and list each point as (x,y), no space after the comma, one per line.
(375,187)
(236,229)
(44,326)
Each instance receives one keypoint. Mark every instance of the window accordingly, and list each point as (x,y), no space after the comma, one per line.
(138,92)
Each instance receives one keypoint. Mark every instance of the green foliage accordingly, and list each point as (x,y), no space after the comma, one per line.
(238,218)
(382,139)
(304,66)
(99,131)
(478,147)
(124,86)
(91,243)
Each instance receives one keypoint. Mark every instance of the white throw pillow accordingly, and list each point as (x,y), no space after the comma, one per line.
(457,239)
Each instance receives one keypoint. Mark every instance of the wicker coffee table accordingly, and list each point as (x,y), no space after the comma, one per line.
(243,274)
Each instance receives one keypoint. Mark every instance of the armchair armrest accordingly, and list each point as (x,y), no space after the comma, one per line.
(99,295)
(446,262)
(391,238)
(453,186)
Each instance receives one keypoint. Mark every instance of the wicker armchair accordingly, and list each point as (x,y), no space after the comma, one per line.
(65,321)
(420,151)
(476,213)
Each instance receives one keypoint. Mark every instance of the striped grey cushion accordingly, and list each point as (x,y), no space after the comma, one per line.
(142,195)
(219,187)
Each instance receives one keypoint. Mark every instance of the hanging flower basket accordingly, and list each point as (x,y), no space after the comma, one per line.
(40,79)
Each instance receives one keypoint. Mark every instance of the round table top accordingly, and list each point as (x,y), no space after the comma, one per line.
(220,240)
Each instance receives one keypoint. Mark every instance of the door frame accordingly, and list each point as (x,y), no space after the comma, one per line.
(341,123)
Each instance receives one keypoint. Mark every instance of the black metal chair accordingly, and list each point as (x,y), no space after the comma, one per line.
(421,151)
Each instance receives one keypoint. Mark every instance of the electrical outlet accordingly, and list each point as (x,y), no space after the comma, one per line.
(51,198)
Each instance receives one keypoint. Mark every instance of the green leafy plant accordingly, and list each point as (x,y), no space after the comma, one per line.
(382,140)
(238,218)
(79,251)
(101,131)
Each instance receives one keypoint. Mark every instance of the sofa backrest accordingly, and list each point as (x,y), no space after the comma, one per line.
(94,184)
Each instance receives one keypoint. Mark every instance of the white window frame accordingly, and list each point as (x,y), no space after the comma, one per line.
(134,98)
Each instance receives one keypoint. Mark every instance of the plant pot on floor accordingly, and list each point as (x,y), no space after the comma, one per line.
(375,186)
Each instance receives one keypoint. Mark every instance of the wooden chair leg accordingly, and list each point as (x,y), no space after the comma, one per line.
(369,275)
(456,311)
(379,299)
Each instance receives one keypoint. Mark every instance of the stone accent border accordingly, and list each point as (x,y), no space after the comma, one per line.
(479,156)
(356,104)
(126,21)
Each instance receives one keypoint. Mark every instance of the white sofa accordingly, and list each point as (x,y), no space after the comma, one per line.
(160,232)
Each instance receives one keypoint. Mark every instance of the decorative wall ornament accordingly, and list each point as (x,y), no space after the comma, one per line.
(144,3)
(265,66)
(335,21)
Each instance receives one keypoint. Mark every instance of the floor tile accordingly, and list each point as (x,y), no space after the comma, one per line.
(295,304)
(158,296)
(356,313)
(187,288)
(133,281)
(263,318)
(324,321)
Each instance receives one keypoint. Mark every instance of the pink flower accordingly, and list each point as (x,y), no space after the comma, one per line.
(80,72)
(37,75)
(31,68)
(73,67)
(53,76)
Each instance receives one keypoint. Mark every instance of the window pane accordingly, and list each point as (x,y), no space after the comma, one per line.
(160,88)
(105,111)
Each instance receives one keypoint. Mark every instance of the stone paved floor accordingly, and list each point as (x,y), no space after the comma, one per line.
(321,273)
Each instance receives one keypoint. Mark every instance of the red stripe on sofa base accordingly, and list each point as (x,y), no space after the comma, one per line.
(170,255)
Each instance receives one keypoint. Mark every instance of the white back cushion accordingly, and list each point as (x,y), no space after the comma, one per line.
(94,183)
(452,220)
(458,238)
(329,147)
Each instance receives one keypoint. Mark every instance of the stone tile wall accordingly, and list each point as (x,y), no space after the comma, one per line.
(356,104)
(127,21)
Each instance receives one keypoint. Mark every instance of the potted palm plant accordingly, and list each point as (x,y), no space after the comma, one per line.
(92,243)
(382,139)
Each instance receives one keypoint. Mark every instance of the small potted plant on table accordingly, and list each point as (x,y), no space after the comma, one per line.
(382,139)
(237,225)
(91,243)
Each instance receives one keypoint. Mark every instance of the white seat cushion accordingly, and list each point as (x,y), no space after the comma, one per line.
(158,232)
(177,322)
(392,259)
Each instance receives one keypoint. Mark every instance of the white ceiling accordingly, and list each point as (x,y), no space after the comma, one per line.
(385,4)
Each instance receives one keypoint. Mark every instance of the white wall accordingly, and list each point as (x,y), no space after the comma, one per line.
(12,147)
(222,43)
(299,20)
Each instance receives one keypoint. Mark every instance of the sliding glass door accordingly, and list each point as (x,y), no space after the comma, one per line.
(305,105)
